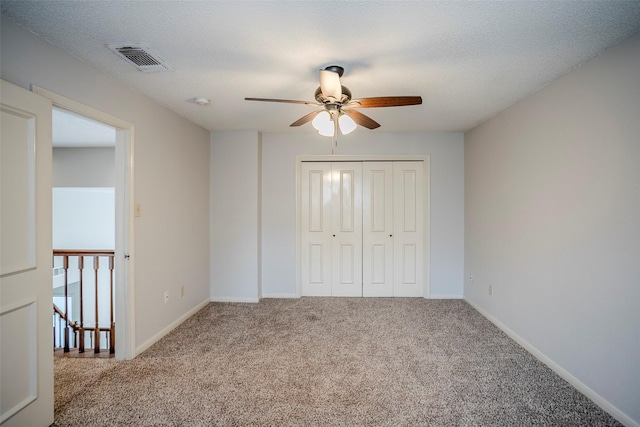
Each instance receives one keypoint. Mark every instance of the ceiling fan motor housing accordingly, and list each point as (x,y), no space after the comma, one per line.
(346,96)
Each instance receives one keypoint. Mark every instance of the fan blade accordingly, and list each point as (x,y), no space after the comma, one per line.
(289,101)
(330,84)
(361,119)
(385,101)
(306,119)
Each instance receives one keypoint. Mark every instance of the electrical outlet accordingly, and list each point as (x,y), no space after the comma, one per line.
(166,296)
(137,210)
(181,291)
(490,289)
(471,279)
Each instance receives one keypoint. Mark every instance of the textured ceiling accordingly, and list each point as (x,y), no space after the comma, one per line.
(468,60)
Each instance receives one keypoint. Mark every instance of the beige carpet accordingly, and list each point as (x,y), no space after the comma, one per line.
(325,362)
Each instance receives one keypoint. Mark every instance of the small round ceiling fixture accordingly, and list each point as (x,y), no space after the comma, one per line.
(202,101)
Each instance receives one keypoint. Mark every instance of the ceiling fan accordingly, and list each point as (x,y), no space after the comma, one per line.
(339,110)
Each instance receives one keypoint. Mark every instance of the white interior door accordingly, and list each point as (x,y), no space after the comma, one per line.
(315,217)
(26,367)
(346,249)
(408,227)
(362,229)
(377,223)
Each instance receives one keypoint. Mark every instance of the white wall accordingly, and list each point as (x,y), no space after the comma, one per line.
(231,151)
(171,176)
(235,216)
(84,167)
(552,221)
(83,218)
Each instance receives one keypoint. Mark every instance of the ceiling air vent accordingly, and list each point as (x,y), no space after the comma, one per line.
(140,57)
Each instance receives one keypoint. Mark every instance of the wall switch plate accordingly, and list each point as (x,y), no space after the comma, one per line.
(166,296)
(137,210)
(181,291)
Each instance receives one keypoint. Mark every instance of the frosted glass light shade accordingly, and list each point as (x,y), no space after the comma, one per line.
(326,132)
(347,125)
(323,124)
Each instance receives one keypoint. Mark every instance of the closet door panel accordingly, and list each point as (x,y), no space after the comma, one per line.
(408,229)
(315,189)
(377,273)
(362,227)
(347,229)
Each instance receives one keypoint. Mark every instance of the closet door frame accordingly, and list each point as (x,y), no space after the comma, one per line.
(425,158)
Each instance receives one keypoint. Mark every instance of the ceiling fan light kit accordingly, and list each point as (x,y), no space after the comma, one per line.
(323,123)
(347,125)
(338,112)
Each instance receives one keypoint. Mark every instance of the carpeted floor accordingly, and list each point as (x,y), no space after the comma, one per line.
(325,362)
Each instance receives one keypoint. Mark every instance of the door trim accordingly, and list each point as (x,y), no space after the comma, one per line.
(425,158)
(124,241)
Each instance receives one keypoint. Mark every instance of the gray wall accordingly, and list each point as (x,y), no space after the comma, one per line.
(235,216)
(84,167)
(552,221)
(171,177)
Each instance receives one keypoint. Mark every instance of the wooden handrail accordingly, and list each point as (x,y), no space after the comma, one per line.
(84,252)
(74,325)
(78,328)
(70,323)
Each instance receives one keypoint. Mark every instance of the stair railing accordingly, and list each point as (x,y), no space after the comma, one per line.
(76,328)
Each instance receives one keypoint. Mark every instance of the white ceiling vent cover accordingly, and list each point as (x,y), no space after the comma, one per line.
(140,57)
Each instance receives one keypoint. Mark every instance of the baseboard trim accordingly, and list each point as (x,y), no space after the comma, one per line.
(564,374)
(445,296)
(157,337)
(288,296)
(234,299)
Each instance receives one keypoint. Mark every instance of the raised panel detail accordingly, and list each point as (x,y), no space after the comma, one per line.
(347,267)
(409,186)
(315,263)
(18,372)
(316,199)
(378,200)
(378,261)
(17,180)
(410,264)
(346,201)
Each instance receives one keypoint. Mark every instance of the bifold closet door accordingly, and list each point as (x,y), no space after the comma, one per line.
(346,203)
(315,218)
(408,233)
(331,225)
(362,227)
(393,241)
(377,222)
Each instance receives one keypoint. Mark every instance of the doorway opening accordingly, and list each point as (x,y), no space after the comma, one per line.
(83,225)
(123,259)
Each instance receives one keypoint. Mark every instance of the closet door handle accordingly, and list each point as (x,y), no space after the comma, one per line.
(334,235)
(390,235)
